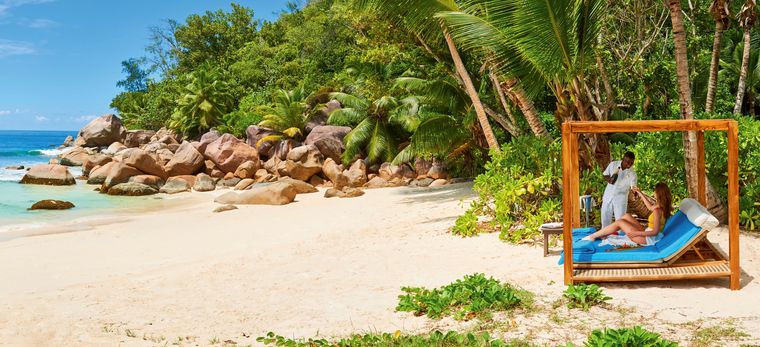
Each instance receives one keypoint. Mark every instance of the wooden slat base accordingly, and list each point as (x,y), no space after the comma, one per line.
(707,270)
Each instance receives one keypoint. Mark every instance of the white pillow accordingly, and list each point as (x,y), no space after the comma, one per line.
(698,214)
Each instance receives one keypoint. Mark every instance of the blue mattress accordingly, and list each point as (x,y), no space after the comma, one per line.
(678,232)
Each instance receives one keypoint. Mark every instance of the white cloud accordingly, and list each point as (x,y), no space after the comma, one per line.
(41,118)
(9,48)
(86,118)
(42,23)
(6,5)
(5,112)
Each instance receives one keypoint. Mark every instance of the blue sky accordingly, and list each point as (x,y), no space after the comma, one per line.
(60,59)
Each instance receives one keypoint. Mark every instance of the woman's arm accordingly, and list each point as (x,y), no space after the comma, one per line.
(649,202)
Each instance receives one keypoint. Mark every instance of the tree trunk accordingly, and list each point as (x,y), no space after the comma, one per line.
(743,73)
(714,202)
(504,103)
(471,91)
(525,104)
(714,62)
(510,127)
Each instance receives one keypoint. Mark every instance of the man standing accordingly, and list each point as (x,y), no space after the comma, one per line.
(620,179)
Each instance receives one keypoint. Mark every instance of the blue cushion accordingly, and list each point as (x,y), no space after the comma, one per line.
(678,232)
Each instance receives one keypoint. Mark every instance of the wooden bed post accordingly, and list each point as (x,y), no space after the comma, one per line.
(568,146)
(701,174)
(733,204)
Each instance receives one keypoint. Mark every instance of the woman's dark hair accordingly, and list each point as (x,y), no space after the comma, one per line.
(664,199)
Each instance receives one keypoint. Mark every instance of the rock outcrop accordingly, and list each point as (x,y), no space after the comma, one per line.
(139,159)
(328,139)
(74,157)
(94,160)
(227,152)
(304,162)
(49,174)
(119,173)
(52,205)
(148,180)
(132,189)
(269,194)
(137,138)
(186,161)
(175,185)
(345,192)
(301,187)
(101,131)
(356,174)
(204,183)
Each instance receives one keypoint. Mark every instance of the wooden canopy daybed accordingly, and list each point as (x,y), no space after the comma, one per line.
(698,258)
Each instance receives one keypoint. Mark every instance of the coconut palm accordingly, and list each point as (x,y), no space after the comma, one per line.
(417,16)
(550,42)
(747,18)
(288,115)
(720,13)
(731,70)
(375,124)
(206,98)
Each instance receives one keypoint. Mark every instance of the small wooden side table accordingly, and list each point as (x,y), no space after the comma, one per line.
(550,229)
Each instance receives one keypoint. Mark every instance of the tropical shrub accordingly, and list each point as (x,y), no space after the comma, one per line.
(204,100)
(464,299)
(584,296)
(287,114)
(518,190)
(434,339)
(636,336)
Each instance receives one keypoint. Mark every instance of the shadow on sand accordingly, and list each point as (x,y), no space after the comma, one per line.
(450,192)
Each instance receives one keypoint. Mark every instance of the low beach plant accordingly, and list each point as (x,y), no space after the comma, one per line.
(434,339)
(463,299)
(584,296)
(624,337)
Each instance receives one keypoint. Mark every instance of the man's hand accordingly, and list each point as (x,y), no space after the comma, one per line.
(608,179)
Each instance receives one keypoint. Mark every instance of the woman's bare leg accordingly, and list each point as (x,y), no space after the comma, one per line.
(633,228)
(608,230)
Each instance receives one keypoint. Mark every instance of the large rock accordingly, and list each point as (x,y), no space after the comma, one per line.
(137,138)
(422,166)
(329,140)
(175,185)
(49,174)
(68,142)
(283,147)
(304,162)
(320,118)
(94,160)
(254,133)
(166,136)
(186,161)
(132,189)
(148,180)
(438,182)
(204,183)
(244,184)
(52,205)
(421,182)
(301,187)
(331,169)
(101,131)
(118,173)
(114,148)
(269,194)
(227,152)
(346,192)
(247,169)
(276,166)
(378,182)
(98,174)
(437,171)
(207,138)
(155,147)
(74,157)
(357,174)
(139,159)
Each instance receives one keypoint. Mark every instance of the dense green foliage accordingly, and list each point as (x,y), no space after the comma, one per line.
(636,336)
(584,296)
(434,339)
(464,299)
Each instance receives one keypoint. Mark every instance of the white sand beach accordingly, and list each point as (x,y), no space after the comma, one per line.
(316,267)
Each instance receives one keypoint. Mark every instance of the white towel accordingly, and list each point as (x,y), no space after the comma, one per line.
(624,241)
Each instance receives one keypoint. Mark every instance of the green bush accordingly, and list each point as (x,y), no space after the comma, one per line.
(464,299)
(627,337)
(518,190)
(436,338)
(584,296)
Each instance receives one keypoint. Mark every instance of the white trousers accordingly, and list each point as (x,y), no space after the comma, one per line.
(613,207)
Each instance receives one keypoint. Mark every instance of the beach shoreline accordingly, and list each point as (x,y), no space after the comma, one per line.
(316,267)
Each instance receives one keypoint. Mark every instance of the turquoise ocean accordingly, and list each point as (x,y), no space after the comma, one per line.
(38,147)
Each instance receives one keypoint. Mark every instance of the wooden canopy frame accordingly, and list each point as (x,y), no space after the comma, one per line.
(632,272)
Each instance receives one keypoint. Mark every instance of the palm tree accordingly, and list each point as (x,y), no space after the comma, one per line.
(550,42)
(418,17)
(731,70)
(206,98)
(374,123)
(747,17)
(287,115)
(714,203)
(721,13)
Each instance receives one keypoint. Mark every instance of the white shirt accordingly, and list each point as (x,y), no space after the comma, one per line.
(626,179)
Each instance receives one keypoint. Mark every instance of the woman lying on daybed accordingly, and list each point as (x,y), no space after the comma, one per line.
(661,211)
